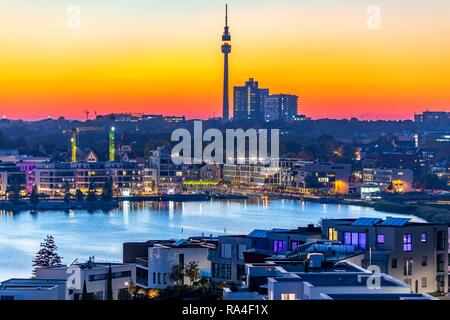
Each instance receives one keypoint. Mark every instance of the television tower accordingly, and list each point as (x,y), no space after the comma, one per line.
(226,50)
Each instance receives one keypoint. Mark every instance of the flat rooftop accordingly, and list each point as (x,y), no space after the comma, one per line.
(30,283)
(344,279)
(383,296)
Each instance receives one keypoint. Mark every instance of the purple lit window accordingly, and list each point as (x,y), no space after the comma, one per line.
(380,238)
(294,245)
(279,245)
(407,243)
(357,239)
(347,238)
(362,241)
(423,238)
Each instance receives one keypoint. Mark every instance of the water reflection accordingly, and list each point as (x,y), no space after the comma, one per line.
(79,233)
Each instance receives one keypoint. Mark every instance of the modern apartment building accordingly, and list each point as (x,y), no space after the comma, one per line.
(249,101)
(391,180)
(328,177)
(416,253)
(280,107)
(232,252)
(155,259)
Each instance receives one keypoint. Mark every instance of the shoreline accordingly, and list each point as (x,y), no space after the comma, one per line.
(425,211)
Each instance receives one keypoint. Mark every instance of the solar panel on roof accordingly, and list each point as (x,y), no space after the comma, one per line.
(396,222)
(258,234)
(179,243)
(280,230)
(366,221)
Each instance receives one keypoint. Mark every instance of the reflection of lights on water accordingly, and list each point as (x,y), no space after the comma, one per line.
(126,211)
(71,214)
(324,207)
(171,209)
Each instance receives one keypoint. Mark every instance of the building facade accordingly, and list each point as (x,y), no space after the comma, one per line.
(249,101)
(416,253)
(280,107)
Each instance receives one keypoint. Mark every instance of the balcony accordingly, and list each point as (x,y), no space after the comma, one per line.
(142,262)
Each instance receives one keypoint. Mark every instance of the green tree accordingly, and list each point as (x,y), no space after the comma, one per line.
(204,284)
(192,271)
(34,197)
(79,195)
(14,189)
(107,193)
(67,195)
(47,255)
(177,274)
(85,295)
(91,192)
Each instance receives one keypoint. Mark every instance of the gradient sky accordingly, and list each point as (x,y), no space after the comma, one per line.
(164,56)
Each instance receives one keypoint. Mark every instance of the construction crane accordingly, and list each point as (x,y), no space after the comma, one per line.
(74,140)
(87,112)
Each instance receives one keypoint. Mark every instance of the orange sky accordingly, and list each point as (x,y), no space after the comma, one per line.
(164,57)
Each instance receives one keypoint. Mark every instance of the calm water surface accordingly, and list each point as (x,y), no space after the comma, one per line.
(80,234)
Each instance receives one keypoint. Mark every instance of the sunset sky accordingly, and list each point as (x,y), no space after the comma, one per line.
(164,56)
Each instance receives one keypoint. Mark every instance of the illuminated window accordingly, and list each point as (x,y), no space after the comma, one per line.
(423,237)
(407,243)
(288,296)
(279,245)
(380,238)
(332,234)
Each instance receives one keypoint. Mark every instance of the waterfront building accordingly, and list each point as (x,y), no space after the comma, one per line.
(11,177)
(169,175)
(53,178)
(326,177)
(416,253)
(249,101)
(127,177)
(228,259)
(94,276)
(391,180)
(280,107)
(155,259)
(259,174)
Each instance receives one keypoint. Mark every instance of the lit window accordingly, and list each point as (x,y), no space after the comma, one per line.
(380,238)
(423,237)
(407,243)
(279,245)
(288,296)
(332,234)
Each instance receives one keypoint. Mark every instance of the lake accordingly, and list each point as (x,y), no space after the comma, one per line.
(80,234)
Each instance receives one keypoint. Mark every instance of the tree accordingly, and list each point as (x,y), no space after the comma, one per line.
(177,274)
(47,255)
(91,192)
(107,193)
(34,197)
(14,190)
(192,271)
(67,195)
(84,295)
(79,195)
(109,290)
(204,284)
